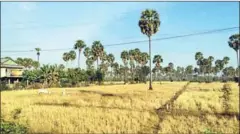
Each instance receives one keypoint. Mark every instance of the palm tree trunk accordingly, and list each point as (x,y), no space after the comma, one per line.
(237,57)
(238,67)
(38,58)
(150,64)
(79,58)
(97,62)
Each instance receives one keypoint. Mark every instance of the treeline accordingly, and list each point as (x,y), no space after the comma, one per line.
(133,69)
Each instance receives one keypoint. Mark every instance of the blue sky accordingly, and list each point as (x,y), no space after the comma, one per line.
(56,25)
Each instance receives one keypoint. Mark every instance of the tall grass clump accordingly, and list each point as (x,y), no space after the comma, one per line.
(227,91)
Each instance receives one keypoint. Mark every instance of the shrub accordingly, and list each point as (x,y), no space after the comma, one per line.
(99,76)
(19,85)
(35,86)
(3,85)
(226,96)
(12,128)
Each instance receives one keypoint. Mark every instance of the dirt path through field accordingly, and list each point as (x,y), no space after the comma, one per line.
(166,108)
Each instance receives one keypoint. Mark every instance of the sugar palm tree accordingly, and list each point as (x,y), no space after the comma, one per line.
(87,52)
(38,53)
(144,58)
(199,59)
(137,54)
(125,57)
(79,45)
(132,54)
(225,60)
(234,43)
(97,50)
(149,24)
(111,59)
(157,60)
(189,70)
(66,57)
(72,55)
(170,69)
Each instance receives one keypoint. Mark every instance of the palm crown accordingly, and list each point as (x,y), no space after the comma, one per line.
(149,22)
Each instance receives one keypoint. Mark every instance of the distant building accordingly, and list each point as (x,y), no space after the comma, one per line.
(10,71)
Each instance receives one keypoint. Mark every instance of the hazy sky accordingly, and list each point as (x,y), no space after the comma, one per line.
(56,25)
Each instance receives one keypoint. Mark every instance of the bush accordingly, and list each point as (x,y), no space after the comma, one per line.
(99,76)
(20,85)
(227,90)
(12,128)
(35,86)
(3,85)
(65,84)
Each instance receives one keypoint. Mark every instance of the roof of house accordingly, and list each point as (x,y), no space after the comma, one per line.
(8,62)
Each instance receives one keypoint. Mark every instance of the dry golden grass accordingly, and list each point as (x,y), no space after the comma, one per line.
(194,125)
(206,97)
(199,98)
(130,112)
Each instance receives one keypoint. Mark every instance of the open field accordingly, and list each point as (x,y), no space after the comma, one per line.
(120,109)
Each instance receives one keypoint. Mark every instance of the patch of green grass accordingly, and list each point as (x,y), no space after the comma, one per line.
(12,128)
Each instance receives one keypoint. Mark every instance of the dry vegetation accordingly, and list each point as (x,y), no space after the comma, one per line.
(119,109)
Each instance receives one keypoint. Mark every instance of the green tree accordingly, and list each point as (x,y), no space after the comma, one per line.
(199,58)
(111,60)
(189,70)
(38,53)
(87,52)
(125,58)
(72,55)
(66,57)
(97,50)
(234,43)
(79,45)
(149,24)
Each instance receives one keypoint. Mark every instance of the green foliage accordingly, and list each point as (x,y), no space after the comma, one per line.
(20,85)
(31,75)
(12,128)
(3,85)
(209,131)
(227,90)
(99,76)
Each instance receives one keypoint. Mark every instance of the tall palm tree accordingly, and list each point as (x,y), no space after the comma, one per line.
(79,45)
(149,24)
(170,69)
(97,50)
(157,60)
(38,53)
(234,43)
(125,57)
(66,57)
(144,58)
(87,52)
(137,56)
(132,54)
(199,59)
(189,70)
(89,63)
(111,59)
(72,55)
(225,60)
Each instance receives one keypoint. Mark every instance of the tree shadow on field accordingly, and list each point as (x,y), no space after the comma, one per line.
(66,104)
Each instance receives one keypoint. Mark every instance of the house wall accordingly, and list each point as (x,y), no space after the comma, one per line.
(11,72)
(3,72)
